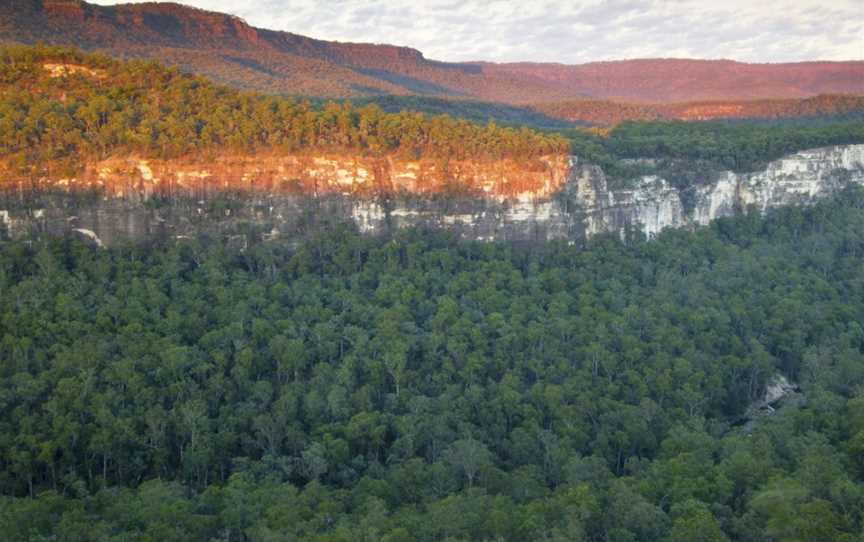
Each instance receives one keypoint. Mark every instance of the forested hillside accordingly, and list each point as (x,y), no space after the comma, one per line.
(472,110)
(610,113)
(421,389)
(59,104)
(60,108)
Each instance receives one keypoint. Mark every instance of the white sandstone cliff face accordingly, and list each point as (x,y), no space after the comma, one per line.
(799,178)
(583,206)
(651,205)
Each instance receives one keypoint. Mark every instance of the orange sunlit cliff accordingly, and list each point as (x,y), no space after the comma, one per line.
(293,174)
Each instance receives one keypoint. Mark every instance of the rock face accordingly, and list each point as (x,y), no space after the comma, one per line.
(779,395)
(127,200)
(653,204)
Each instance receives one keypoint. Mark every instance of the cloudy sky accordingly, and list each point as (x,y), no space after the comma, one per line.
(574,31)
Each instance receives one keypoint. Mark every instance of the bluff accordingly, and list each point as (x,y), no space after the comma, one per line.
(250,198)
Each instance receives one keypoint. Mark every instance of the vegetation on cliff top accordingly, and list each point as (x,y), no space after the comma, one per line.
(142,107)
(686,153)
(423,389)
(478,112)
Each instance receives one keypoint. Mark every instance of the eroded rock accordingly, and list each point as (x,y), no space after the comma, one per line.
(129,199)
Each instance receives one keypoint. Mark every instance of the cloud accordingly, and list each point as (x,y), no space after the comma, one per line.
(573,31)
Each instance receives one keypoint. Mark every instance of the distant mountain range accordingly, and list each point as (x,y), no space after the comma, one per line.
(228,50)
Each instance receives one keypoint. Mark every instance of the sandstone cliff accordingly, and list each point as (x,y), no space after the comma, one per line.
(129,199)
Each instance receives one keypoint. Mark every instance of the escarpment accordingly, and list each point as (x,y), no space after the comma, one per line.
(129,199)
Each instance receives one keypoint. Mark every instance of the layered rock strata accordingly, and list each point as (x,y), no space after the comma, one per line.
(129,199)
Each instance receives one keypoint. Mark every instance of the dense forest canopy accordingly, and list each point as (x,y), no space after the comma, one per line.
(688,152)
(139,106)
(421,389)
(478,112)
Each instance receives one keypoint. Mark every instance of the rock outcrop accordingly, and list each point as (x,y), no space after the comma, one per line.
(653,204)
(780,394)
(128,199)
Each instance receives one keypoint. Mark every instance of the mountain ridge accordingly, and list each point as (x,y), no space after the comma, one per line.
(228,49)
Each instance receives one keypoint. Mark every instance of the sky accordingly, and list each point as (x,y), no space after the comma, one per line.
(573,31)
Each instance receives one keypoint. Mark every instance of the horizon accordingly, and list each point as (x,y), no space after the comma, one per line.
(778,31)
